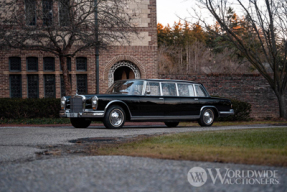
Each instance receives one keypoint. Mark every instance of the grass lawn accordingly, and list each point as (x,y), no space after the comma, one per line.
(231,123)
(254,146)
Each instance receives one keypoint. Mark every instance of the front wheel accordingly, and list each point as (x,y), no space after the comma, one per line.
(206,118)
(115,117)
(80,122)
(171,124)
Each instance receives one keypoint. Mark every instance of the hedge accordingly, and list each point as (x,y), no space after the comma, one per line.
(242,111)
(16,108)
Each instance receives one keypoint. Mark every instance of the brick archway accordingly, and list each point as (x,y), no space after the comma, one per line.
(119,64)
(115,60)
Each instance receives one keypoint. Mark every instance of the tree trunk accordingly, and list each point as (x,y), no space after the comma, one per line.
(181,57)
(187,59)
(195,64)
(66,78)
(282,107)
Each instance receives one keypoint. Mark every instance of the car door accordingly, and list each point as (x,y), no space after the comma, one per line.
(151,103)
(189,105)
(171,100)
(135,90)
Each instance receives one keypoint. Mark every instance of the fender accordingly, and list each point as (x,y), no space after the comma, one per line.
(117,101)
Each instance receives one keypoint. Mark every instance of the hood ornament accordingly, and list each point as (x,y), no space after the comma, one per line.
(77,92)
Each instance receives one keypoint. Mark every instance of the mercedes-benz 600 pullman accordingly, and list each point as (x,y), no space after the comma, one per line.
(168,101)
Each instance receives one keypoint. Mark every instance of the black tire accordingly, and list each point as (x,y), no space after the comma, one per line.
(80,122)
(206,118)
(171,124)
(115,117)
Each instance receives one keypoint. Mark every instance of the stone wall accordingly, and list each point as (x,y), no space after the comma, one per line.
(250,88)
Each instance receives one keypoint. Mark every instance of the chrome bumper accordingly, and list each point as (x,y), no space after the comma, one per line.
(226,113)
(84,114)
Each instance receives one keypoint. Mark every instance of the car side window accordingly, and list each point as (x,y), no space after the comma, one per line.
(200,91)
(168,89)
(136,88)
(152,89)
(185,90)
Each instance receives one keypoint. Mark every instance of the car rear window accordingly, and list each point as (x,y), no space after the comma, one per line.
(200,91)
(185,90)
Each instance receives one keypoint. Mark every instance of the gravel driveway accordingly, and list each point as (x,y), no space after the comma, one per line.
(21,143)
(111,173)
(119,173)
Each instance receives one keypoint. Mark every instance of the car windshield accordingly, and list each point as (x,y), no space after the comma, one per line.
(126,88)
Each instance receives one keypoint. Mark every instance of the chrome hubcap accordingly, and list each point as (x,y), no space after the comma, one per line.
(208,117)
(116,117)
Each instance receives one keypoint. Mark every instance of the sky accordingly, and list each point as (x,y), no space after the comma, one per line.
(169,10)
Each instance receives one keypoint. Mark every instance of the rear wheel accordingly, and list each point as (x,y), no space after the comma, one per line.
(80,122)
(115,117)
(206,118)
(171,124)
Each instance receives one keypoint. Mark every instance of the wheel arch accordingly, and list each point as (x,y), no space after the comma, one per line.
(216,113)
(121,104)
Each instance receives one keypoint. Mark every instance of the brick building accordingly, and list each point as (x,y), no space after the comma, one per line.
(35,74)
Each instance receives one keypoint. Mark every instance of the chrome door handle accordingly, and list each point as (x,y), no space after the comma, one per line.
(196,99)
(160,98)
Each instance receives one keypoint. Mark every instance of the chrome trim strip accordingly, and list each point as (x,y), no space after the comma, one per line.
(90,114)
(194,91)
(191,117)
(93,114)
(88,110)
(160,88)
(144,88)
(230,112)
(177,93)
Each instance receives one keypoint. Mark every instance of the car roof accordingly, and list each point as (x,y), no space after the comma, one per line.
(167,80)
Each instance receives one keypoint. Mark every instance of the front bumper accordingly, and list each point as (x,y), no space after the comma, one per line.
(226,113)
(84,114)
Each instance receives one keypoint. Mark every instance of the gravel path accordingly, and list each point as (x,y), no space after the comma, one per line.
(120,173)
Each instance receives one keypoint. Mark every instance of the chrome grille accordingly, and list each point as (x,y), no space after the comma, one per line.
(76,105)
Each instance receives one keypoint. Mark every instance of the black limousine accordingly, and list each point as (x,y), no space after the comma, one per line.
(168,101)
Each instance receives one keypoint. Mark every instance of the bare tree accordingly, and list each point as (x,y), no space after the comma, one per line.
(261,39)
(64,27)
(200,60)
